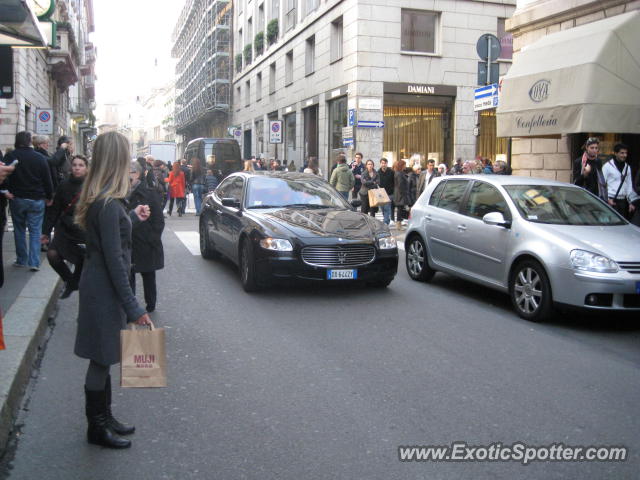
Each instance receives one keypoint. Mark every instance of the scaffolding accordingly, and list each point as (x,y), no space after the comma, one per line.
(202,45)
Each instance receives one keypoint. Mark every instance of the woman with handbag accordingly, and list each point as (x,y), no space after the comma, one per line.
(370,180)
(147,253)
(400,191)
(107,302)
(68,242)
(177,188)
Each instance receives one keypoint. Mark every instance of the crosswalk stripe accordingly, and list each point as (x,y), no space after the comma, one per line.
(191,240)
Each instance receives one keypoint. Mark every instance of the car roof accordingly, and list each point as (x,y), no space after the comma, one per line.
(276,174)
(507,179)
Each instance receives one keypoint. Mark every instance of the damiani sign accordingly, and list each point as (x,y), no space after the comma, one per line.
(421,89)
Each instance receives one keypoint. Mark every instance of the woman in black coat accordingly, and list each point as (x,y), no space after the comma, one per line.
(68,242)
(147,254)
(400,190)
(106,300)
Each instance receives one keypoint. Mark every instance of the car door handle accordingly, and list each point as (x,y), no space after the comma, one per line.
(462,228)
(427,218)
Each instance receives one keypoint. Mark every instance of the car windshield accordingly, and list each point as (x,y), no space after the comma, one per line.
(269,192)
(561,205)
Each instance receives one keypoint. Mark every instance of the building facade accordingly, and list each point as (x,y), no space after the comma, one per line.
(60,78)
(586,28)
(202,48)
(402,73)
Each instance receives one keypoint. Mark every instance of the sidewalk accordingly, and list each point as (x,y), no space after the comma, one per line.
(27,299)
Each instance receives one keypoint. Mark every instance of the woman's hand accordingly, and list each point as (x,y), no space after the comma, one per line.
(143,212)
(143,320)
(44,239)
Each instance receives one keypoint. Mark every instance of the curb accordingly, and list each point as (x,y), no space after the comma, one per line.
(24,326)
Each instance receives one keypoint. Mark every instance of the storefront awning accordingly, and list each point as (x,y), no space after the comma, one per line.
(585,79)
(19,25)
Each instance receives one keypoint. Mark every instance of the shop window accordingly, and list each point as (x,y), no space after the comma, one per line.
(419,31)
(290,135)
(310,55)
(336,40)
(506,41)
(488,144)
(337,120)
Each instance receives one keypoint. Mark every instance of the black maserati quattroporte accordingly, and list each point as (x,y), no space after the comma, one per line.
(294,226)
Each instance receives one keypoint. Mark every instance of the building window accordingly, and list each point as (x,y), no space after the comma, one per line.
(238,96)
(310,55)
(336,40)
(250,29)
(506,41)
(240,39)
(259,86)
(288,69)
(292,13)
(247,93)
(419,30)
(260,24)
(272,78)
(310,6)
(275,9)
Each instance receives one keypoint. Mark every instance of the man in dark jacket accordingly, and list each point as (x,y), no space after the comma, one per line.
(386,182)
(29,189)
(60,161)
(587,170)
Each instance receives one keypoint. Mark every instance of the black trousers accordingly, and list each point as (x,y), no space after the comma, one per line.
(366,208)
(149,286)
(181,204)
(621,206)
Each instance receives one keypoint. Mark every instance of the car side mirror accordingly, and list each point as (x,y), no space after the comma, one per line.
(356,203)
(497,219)
(231,202)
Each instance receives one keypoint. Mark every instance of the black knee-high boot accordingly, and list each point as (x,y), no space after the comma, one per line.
(116,426)
(98,431)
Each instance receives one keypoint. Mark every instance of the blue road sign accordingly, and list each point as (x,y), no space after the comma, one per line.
(488,91)
(347,142)
(352,117)
(370,123)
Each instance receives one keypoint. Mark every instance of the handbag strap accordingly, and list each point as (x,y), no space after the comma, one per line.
(71,203)
(624,177)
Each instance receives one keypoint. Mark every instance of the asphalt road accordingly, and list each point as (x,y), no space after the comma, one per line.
(325,382)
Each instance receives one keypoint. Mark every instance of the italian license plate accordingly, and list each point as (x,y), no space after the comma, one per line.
(638,288)
(342,274)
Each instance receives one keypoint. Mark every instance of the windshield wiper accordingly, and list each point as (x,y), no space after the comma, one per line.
(306,205)
(266,206)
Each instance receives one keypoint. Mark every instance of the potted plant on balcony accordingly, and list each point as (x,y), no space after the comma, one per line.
(247,53)
(238,62)
(272,31)
(258,42)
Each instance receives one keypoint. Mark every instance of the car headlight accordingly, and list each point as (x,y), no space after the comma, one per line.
(277,244)
(385,243)
(592,262)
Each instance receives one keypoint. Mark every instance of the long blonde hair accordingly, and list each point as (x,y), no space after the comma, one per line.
(108,177)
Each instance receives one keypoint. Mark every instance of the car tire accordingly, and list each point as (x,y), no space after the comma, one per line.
(416,260)
(530,291)
(247,267)
(207,250)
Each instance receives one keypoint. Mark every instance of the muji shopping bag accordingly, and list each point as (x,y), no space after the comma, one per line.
(143,362)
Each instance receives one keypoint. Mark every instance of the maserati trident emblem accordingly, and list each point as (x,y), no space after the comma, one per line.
(342,257)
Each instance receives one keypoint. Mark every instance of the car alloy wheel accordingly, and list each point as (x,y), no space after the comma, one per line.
(416,260)
(530,291)
(247,267)
(206,249)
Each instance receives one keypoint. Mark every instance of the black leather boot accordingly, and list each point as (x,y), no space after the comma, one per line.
(116,426)
(99,432)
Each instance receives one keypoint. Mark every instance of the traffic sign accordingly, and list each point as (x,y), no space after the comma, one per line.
(352,117)
(347,142)
(347,132)
(482,73)
(370,124)
(488,45)
(275,131)
(485,97)
(44,121)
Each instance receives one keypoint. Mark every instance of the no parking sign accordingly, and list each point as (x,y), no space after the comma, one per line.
(44,121)
(275,131)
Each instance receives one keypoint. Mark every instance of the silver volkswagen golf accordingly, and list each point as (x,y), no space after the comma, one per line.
(543,242)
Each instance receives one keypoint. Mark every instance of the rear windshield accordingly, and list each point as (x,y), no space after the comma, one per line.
(561,205)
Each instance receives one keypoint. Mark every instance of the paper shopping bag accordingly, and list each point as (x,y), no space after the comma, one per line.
(2,346)
(143,362)
(377,197)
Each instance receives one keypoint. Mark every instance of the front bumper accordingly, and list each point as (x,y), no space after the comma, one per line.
(289,266)
(597,291)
